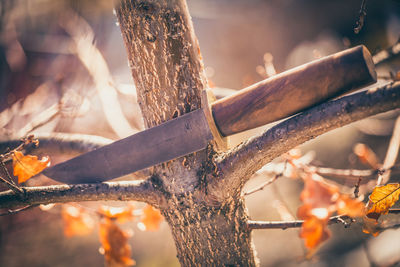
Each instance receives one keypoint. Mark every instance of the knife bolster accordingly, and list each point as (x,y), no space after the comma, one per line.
(220,142)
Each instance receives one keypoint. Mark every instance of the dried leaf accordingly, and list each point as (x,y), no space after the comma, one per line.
(76,221)
(320,201)
(27,166)
(314,231)
(151,219)
(318,194)
(370,226)
(350,207)
(117,251)
(120,214)
(381,199)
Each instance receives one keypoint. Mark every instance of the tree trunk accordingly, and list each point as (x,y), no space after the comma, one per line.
(210,236)
(166,65)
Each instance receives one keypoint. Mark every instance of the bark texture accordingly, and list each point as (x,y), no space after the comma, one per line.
(166,65)
(199,194)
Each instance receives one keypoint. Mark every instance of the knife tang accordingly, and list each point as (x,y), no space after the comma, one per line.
(293,91)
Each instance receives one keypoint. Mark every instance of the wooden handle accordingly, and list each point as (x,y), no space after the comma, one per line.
(294,90)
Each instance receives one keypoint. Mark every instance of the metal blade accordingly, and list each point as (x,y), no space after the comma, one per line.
(178,137)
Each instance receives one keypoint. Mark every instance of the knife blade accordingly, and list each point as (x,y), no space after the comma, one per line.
(273,99)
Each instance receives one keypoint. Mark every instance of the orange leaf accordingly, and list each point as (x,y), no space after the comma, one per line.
(318,194)
(121,214)
(27,166)
(117,251)
(76,221)
(350,207)
(314,231)
(151,219)
(381,199)
(320,201)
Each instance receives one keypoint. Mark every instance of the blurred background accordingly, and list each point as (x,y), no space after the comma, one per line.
(63,68)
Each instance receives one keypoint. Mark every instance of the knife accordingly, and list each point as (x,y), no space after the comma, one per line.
(272,99)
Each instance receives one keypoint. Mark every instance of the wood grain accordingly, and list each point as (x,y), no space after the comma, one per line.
(295,90)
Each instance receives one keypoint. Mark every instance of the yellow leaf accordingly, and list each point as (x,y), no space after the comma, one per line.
(381,199)
(27,166)
(76,221)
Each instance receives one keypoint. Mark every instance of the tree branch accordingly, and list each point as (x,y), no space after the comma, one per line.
(240,163)
(65,142)
(262,186)
(387,54)
(361,17)
(122,191)
(253,225)
(10,212)
(290,224)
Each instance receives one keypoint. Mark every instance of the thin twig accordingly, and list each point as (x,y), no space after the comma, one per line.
(43,118)
(253,225)
(262,186)
(21,144)
(3,166)
(361,17)
(10,212)
(344,173)
(391,154)
(9,181)
(281,205)
(352,173)
(387,54)
(270,181)
(13,187)
(394,211)
(357,188)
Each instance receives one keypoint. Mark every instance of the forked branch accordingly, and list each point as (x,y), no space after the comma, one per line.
(65,142)
(240,163)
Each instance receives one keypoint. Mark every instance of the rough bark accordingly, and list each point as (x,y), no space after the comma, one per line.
(210,236)
(166,65)
(238,164)
(132,190)
(199,194)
